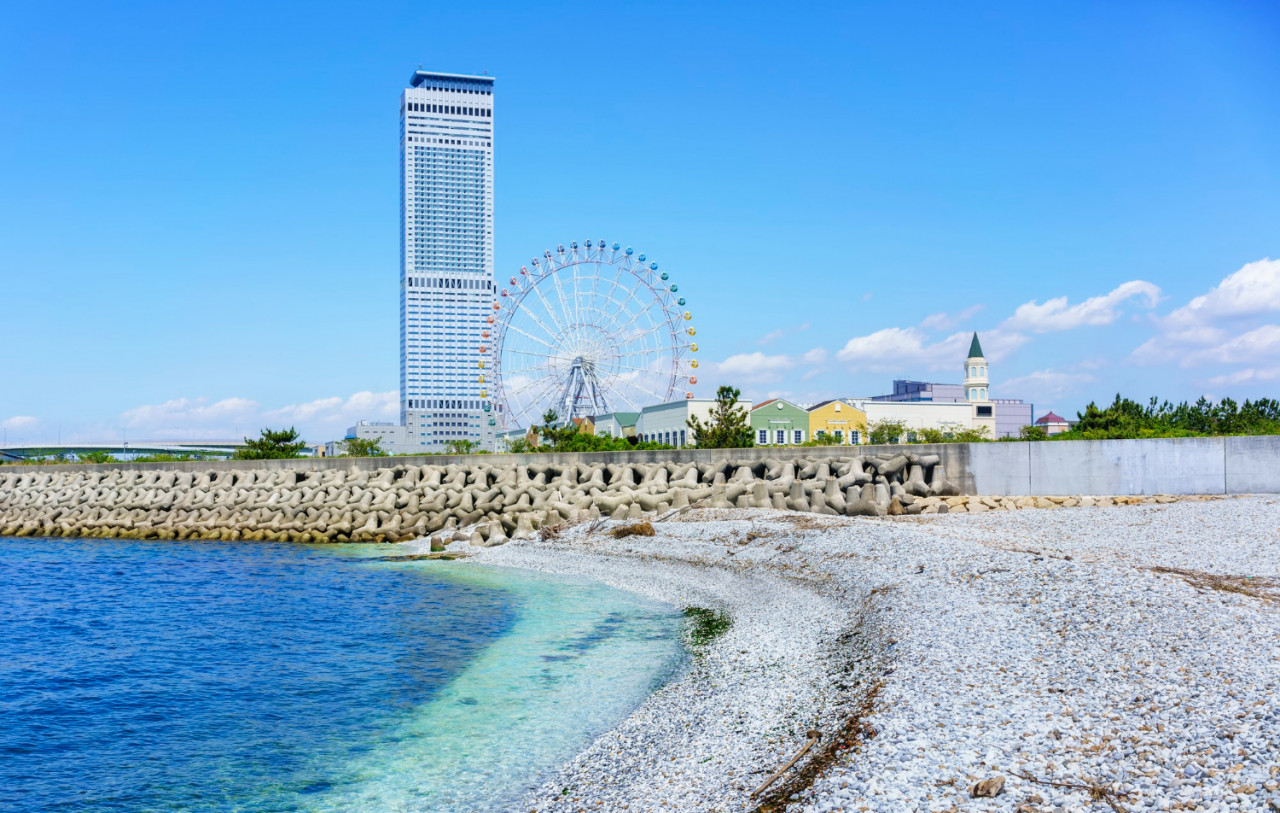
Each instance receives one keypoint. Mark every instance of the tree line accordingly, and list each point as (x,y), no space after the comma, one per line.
(1126,418)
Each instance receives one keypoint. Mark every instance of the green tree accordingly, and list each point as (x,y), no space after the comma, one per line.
(927,435)
(520,446)
(570,438)
(362,447)
(823,439)
(97,457)
(1033,432)
(164,457)
(461,446)
(727,426)
(978,435)
(886,431)
(550,433)
(273,444)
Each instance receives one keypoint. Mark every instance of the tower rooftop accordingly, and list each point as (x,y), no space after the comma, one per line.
(975,349)
(420,76)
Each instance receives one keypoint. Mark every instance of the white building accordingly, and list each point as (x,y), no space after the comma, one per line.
(616,424)
(392,436)
(941,415)
(446,264)
(668,423)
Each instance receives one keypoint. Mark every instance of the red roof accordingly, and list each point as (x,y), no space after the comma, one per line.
(1051,418)
(763,403)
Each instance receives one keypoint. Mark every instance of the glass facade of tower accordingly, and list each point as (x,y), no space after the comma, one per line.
(446,260)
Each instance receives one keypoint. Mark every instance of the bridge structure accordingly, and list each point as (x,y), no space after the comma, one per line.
(121,450)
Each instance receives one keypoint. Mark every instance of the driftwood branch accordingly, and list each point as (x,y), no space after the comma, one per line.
(675,512)
(814,736)
(1096,792)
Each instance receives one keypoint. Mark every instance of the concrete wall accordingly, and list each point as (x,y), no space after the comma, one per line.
(1162,466)
(1252,465)
(1236,465)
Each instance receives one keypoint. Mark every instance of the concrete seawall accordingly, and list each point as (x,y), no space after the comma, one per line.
(1230,465)
(404,497)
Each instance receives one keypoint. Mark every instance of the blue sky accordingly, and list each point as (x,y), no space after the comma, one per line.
(198,203)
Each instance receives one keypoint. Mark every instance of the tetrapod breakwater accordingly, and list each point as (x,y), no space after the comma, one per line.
(496,500)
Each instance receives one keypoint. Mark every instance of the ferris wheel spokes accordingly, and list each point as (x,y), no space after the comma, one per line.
(586,330)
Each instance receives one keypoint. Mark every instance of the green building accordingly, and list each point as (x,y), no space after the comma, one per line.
(778,422)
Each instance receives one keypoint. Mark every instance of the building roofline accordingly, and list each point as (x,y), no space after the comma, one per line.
(845,401)
(414,79)
(1051,417)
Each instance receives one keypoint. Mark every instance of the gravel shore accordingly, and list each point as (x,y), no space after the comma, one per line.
(1093,658)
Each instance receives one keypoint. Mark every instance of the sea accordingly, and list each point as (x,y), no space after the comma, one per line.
(247,676)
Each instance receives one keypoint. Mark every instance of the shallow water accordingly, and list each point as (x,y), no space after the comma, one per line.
(260,676)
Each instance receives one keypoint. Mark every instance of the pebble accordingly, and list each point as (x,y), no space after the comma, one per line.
(1035,646)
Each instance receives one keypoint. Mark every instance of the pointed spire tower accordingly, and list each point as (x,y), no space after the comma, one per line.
(976,384)
(976,381)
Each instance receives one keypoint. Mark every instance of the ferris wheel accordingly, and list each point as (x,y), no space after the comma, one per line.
(587,331)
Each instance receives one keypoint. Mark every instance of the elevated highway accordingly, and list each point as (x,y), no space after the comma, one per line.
(123,451)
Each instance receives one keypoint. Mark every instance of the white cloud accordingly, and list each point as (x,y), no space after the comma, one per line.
(228,418)
(946,321)
(1256,345)
(1254,289)
(890,348)
(1042,385)
(19,422)
(189,413)
(360,406)
(1247,376)
(896,349)
(817,355)
(1218,327)
(754,367)
(1055,314)
(774,335)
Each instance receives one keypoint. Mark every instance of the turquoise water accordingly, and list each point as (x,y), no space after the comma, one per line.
(259,676)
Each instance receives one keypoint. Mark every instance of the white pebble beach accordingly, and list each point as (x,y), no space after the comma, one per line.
(1094,658)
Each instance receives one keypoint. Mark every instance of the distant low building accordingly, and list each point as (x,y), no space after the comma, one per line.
(616,424)
(838,418)
(668,423)
(913,391)
(1003,417)
(778,422)
(944,416)
(394,437)
(1053,424)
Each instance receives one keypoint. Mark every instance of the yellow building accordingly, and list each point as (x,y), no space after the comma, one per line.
(839,419)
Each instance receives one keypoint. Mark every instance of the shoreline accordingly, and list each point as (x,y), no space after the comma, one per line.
(1063,646)
(792,660)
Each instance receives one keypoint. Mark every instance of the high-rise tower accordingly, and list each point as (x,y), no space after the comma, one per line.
(446,260)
